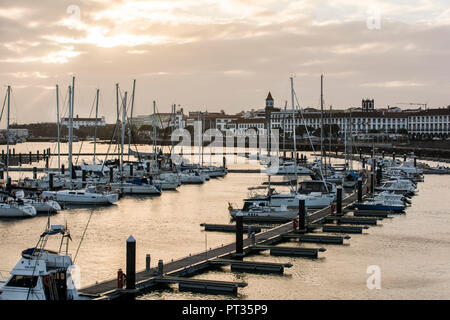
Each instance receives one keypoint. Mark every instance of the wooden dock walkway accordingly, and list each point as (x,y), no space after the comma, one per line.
(192,263)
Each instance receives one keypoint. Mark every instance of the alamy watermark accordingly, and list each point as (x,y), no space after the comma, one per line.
(374,280)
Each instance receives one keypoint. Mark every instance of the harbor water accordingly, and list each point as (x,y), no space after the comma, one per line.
(411,250)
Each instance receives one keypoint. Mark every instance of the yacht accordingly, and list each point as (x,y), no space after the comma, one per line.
(91,195)
(41,205)
(317,194)
(42,274)
(137,186)
(16,209)
(261,212)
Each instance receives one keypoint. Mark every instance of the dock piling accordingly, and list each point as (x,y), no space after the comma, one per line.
(111,174)
(131,263)
(63,169)
(2,174)
(34,173)
(301,215)
(160,267)
(50,181)
(360,190)
(339,201)
(239,233)
(147,262)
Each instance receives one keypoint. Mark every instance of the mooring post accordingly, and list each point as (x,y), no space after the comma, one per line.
(14,151)
(8,183)
(339,201)
(46,162)
(147,262)
(2,174)
(131,263)
(30,157)
(393,156)
(37,155)
(379,175)
(20,157)
(148,167)
(131,169)
(239,233)
(360,154)
(364,163)
(415,161)
(360,192)
(224,162)
(372,182)
(111,174)
(160,267)
(382,154)
(301,215)
(34,173)
(50,181)
(63,169)
(83,176)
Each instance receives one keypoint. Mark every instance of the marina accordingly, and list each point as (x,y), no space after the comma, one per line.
(243,157)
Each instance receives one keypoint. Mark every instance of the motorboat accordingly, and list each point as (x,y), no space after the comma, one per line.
(43,274)
(381,205)
(191,177)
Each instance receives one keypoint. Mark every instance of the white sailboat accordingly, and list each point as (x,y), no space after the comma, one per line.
(91,195)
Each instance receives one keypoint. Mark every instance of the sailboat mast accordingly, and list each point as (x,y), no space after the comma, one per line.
(124,115)
(154,132)
(70,131)
(131,119)
(7,135)
(58,126)
(321,120)
(95,130)
(294,134)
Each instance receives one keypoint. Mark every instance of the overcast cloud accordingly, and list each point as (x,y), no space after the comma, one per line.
(213,54)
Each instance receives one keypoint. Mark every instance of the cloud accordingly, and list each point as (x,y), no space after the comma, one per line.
(195,52)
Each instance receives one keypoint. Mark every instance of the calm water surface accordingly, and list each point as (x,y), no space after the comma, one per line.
(411,250)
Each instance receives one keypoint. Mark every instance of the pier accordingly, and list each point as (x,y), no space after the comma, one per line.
(179,271)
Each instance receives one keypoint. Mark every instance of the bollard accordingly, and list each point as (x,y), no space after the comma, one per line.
(111,174)
(239,233)
(359,189)
(50,181)
(224,162)
(131,263)
(301,215)
(37,156)
(34,173)
(63,169)
(131,170)
(415,162)
(372,183)
(339,200)
(160,267)
(147,262)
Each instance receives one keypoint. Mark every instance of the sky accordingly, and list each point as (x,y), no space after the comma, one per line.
(222,54)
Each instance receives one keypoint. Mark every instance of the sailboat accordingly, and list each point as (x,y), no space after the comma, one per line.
(10,208)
